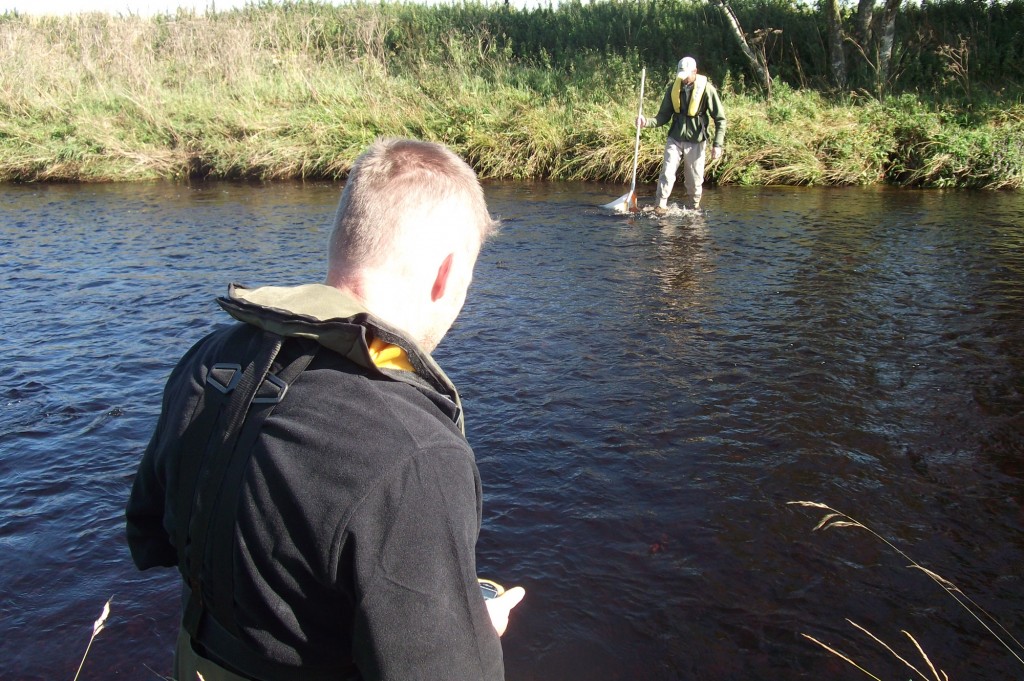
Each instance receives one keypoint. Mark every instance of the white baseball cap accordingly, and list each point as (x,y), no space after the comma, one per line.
(686,66)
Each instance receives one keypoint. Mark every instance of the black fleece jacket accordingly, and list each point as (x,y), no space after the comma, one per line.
(355,530)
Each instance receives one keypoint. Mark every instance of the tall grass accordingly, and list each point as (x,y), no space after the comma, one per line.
(97,627)
(834,519)
(298,90)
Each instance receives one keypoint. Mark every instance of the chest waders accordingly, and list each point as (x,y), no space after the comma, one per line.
(215,451)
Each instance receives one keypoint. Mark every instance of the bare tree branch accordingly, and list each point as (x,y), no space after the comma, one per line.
(759,69)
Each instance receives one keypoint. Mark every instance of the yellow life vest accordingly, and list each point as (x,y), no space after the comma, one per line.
(700,85)
(387,356)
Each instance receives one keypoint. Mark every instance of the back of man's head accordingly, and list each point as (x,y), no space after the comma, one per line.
(411,221)
(392,183)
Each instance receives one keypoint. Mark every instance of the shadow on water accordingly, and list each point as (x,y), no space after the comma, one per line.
(644,396)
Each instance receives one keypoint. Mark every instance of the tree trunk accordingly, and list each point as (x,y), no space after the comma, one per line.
(837,56)
(865,15)
(892,7)
(759,69)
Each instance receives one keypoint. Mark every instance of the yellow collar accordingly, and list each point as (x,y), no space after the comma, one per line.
(387,356)
(700,84)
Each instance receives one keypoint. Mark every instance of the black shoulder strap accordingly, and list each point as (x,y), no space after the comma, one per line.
(221,527)
(202,469)
(222,379)
(239,401)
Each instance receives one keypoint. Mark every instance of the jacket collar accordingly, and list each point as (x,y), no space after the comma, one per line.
(338,322)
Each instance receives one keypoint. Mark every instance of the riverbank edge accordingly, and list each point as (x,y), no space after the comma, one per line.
(794,139)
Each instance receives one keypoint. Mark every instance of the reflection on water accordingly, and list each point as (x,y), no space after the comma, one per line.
(644,396)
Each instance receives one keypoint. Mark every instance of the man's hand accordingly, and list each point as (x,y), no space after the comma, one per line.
(716,153)
(641,121)
(499,608)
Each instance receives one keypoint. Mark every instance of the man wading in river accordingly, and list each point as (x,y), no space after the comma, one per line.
(690,102)
(309,475)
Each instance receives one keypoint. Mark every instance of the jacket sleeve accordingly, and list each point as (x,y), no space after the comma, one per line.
(717,112)
(665,112)
(147,517)
(419,610)
(148,540)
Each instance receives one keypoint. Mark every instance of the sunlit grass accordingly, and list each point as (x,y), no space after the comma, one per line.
(297,92)
(834,519)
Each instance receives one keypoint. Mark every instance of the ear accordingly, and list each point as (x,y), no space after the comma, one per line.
(441,280)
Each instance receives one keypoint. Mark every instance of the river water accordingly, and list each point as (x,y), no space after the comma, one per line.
(645,396)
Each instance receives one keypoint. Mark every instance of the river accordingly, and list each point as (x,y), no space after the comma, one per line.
(645,397)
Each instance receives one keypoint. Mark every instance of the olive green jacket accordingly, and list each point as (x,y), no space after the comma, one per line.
(693,128)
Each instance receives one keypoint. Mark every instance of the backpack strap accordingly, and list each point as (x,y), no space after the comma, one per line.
(235,405)
(221,527)
(197,493)
(221,381)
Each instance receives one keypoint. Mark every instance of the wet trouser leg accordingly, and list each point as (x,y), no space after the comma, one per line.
(691,155)
(693,172)
(669,165)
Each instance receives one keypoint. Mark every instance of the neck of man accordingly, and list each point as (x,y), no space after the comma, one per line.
(388,299)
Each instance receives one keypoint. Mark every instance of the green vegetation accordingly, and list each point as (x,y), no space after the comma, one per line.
(298,90)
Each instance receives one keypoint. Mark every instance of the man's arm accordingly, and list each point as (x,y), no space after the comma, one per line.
(146,519)
(717,112)
(665,111)
(420,613)
(144,515)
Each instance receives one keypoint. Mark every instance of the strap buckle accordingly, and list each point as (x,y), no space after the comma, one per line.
(224,377)
(277,390)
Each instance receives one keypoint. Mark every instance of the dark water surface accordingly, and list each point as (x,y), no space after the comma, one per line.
(644,398)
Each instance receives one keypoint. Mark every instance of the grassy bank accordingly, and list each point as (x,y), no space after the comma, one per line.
(297,92)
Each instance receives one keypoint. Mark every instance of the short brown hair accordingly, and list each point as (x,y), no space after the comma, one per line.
(394,178)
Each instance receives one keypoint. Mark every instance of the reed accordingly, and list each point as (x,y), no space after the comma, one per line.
(834,519)
(298,90)
(934,674)
(97,627)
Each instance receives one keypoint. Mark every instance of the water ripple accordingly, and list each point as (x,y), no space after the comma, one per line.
(643,397)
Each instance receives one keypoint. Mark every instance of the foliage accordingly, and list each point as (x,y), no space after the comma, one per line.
(943,148)
(297,90)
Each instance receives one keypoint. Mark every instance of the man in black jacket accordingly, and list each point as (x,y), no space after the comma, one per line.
(309,475)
